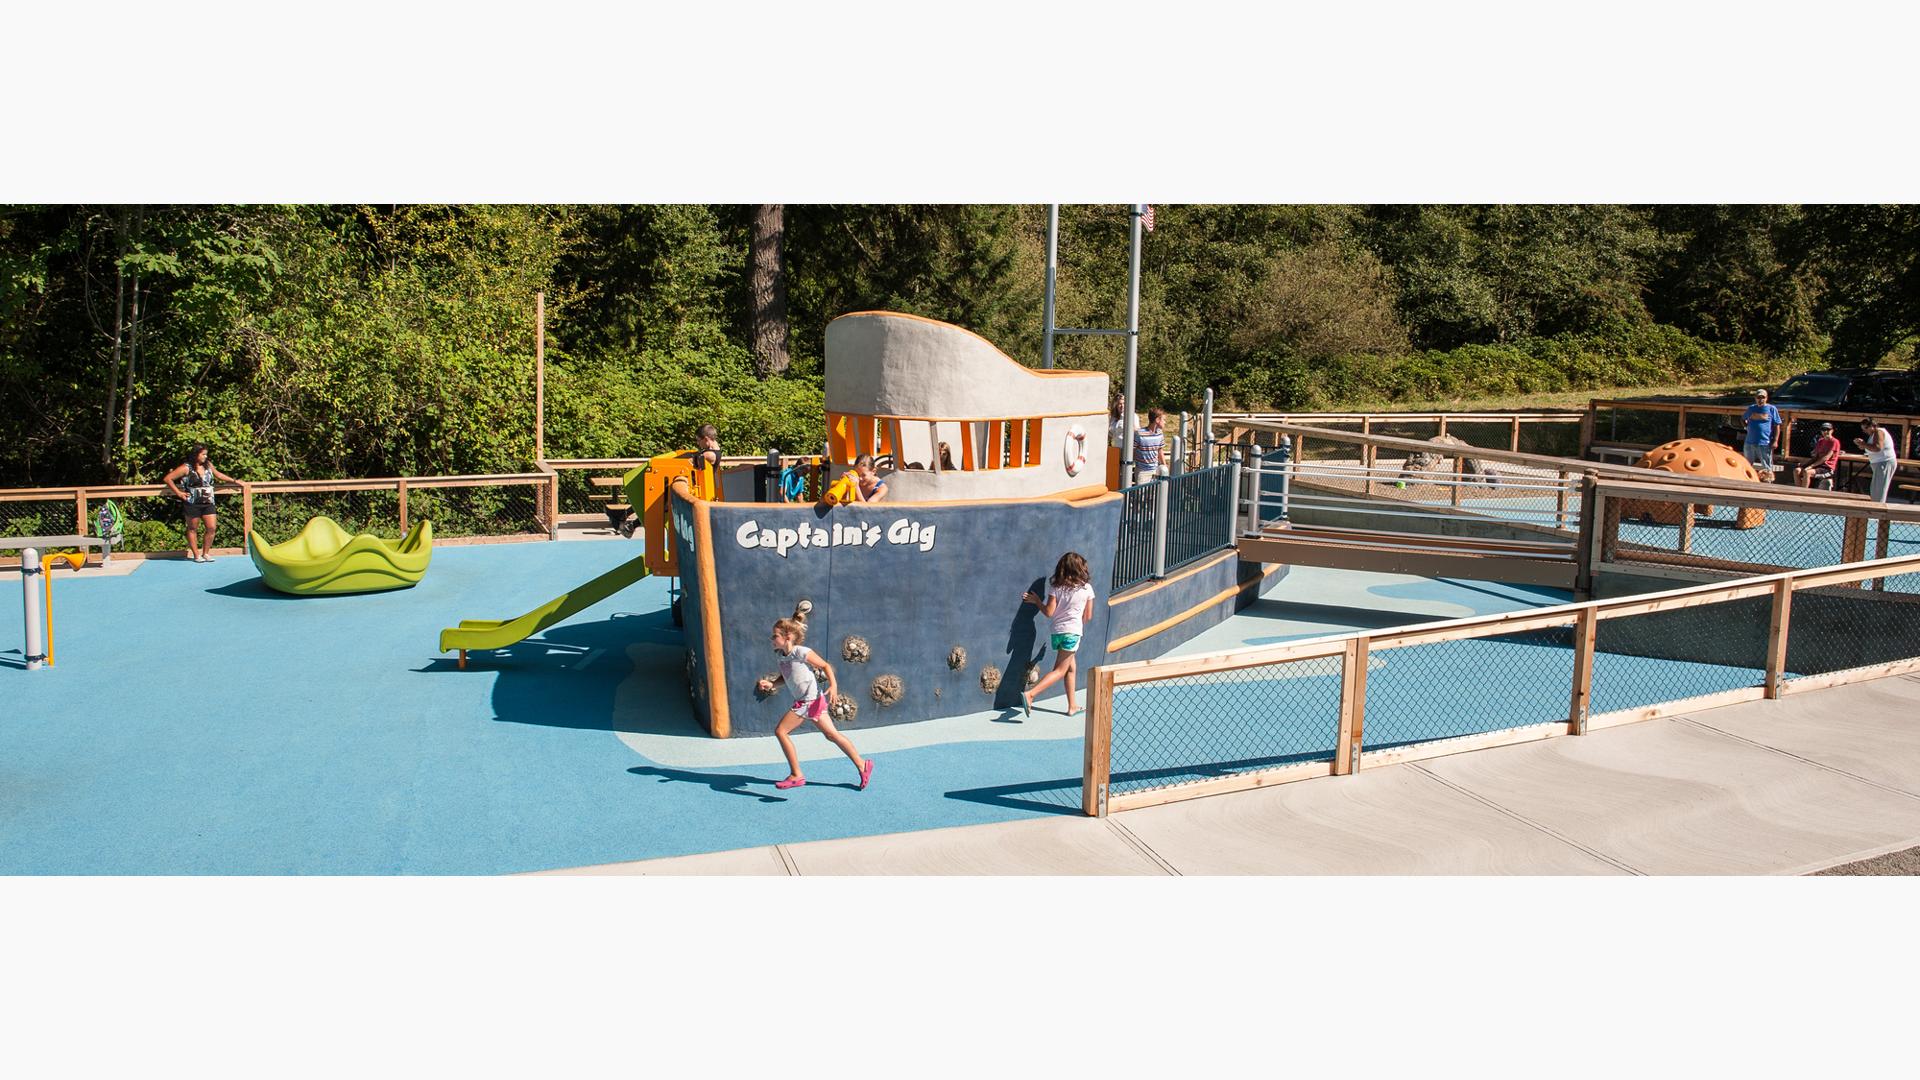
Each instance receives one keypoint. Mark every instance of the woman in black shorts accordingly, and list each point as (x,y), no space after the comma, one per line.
(196,498)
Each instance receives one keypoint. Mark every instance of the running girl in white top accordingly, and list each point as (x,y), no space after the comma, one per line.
(1069,604)
(797,667)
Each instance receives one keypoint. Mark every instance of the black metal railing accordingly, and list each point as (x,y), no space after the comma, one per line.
(1198,521)
(1133,557)
(1200,508)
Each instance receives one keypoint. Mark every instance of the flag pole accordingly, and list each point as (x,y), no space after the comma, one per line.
(1053,268)
(1133,343)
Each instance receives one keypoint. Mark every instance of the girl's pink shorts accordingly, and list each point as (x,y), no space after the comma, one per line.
(812,710)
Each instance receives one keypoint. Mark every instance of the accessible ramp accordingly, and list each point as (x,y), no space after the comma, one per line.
(500,633)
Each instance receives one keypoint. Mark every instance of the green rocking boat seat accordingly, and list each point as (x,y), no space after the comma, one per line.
(325,560)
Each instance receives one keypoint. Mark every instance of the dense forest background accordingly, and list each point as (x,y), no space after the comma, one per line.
(322,341)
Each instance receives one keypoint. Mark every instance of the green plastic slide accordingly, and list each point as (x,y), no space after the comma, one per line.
(500,633)
(326,560)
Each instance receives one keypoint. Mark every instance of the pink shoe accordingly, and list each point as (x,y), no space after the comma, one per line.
(866,773)
(790,782)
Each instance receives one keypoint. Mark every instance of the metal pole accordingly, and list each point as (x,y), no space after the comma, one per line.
(1253,503)
(540,378)
(1177,459)
(1133,340)
(1287,466)
(1160,526)
(30,571)
(1233,503)
(1206,429)
(1053,268)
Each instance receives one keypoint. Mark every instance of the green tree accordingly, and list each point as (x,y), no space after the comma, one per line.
(1872,261)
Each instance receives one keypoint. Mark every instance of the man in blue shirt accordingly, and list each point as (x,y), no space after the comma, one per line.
(1763,434)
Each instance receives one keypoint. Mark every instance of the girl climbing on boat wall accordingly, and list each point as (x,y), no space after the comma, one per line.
(798,668)
(1069,604)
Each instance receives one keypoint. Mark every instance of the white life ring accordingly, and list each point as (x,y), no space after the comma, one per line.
(1076,450)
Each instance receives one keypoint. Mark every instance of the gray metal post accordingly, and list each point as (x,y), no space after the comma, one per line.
(1253,502)
(1160,527)
(1053,269)
(1233,503)
(1286,476)
(1177,463)
(1133,342)
(1206,429)
(778,492)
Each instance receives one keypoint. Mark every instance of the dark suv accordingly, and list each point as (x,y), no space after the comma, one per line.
(1866,391)
(1863,391)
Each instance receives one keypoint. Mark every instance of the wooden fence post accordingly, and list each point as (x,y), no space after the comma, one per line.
(1097,769)
(1590,548)
(246,511)
(1777,635)
(1681,424)
(1585,633)
(80,514)
(1853,540)
(403,506)
(1513,436)
(1586,429)
(1353,708)
(1369,453)
(1880,550)
(1459,476)
(1686,528)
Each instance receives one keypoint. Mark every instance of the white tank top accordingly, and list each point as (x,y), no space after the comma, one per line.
(1884,453)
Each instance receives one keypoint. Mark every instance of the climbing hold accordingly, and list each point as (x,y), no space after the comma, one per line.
(887,690)
(843,709)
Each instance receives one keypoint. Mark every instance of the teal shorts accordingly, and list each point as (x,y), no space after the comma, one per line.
(1066,642)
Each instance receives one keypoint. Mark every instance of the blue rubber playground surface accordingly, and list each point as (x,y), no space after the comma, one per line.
(198,723)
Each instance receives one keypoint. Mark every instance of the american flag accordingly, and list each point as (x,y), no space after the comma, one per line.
(1146,217)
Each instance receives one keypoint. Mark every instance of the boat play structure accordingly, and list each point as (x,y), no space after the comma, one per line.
(993,471)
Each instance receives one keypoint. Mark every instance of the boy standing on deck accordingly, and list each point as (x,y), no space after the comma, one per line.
(1149,443)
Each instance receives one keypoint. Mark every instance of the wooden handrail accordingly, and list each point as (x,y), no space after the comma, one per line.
(1137,671)
(1771,496)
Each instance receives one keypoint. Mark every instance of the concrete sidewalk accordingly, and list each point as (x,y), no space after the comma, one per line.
(1768,787)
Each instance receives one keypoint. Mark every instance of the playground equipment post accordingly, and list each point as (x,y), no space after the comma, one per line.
(30,569)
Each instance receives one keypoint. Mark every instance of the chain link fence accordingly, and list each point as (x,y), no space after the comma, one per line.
(1841,628)
(1188,729)
(504,509)
(1664,656)
(278,516)
(1447,690)
(35,517)
(1741,538)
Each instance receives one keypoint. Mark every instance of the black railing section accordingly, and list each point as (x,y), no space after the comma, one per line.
(1199,515)
(1133,558)
(1199,510)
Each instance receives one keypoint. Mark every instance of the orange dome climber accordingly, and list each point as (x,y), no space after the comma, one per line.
(1695,457)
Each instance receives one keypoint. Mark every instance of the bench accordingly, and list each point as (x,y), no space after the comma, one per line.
(1627,455)
(43,543)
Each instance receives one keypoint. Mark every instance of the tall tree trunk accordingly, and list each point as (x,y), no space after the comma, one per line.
(119,328)
(133,358)
(133,353)
(768,288)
